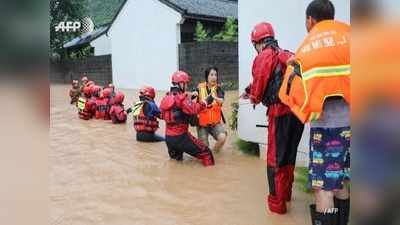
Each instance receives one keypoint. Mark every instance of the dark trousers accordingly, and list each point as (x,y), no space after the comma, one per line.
(187,143)
(284,135)
(149,137)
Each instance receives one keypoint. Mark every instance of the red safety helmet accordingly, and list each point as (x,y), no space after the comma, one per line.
(119,97)
(87,91)
(262,30)
(95,89)
(147,91)
(107,92)
(180,77)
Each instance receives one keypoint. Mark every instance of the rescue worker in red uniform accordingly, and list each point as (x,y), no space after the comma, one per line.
(95,92)
(85,106)
(145,114)
(117,111)
(109,95)
(176,109)
(103,105)
(284,129)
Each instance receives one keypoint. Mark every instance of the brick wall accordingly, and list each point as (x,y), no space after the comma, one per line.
(97,68)
(196,57)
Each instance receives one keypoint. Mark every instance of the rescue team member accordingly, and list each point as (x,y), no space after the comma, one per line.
(103,105)
(317,89)
(209,119)
(117,111)
(284,129)
(176,108)
(85,105)
(74,92)
(95,92)
(145,114)
(109,95)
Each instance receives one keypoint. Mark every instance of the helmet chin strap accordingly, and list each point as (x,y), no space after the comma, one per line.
(176,87)
(271,42)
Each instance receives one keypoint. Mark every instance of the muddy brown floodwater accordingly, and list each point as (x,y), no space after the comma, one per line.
(100,175)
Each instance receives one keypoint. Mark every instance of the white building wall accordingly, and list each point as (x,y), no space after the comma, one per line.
(145,39)
(288,19)
(101,45)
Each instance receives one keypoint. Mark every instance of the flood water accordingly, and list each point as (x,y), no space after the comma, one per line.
(100,175)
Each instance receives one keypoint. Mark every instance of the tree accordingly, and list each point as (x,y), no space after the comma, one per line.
(201,34)
(62,11)
(229,31)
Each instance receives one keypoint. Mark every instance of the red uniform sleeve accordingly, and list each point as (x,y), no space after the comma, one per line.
(262,66)
(188,106)
(121,114)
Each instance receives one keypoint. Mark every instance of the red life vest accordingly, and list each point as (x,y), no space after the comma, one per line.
(177,122)
(102,108)
(141,123)
(118,114)
(84,108)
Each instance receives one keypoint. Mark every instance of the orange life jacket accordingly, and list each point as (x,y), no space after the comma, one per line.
(322,69)
(141,123)
(212,114)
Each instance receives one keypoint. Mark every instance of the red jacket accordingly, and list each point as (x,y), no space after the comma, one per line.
(117,113)
(92,101)
(176,108)
(87,112)
(102,108)
(263,66)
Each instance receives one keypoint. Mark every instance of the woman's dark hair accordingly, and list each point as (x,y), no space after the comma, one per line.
(321,10)
(208,70)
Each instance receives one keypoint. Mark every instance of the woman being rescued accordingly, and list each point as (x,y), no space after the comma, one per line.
(210,119)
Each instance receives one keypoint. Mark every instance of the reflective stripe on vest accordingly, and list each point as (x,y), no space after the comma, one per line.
(323,71)
(203,92)
(327,71)
(137,108)
(81,104)
(210,115)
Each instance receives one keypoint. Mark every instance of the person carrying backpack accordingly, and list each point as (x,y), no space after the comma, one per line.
(284,128)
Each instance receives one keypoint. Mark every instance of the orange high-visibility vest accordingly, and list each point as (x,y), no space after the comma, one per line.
(322,70)
(212,114)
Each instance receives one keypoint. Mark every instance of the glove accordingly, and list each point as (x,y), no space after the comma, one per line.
(247,90)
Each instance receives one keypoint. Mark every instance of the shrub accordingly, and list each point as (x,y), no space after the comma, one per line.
(233,119)
(247,147)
